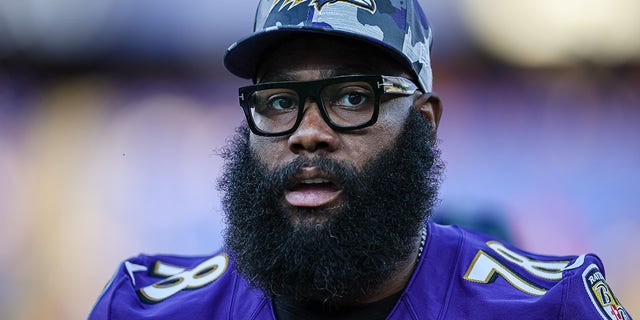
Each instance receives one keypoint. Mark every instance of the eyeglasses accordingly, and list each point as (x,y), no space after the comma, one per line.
(345,102)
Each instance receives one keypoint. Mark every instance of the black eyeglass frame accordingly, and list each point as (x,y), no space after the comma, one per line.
(312,89)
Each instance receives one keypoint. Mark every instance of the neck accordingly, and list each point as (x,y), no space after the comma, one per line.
(395,284)
(292,310)
(371,307)
(401,278)
(398,281)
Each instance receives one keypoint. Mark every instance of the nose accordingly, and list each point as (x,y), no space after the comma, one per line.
(313,134)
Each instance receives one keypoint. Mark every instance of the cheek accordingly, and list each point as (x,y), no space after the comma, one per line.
(268,151)
(391,120)
(379,137)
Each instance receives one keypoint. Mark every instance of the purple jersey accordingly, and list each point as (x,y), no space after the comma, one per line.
(461,275)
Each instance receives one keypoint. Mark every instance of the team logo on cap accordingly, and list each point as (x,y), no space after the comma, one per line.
(365,4)
(319,4)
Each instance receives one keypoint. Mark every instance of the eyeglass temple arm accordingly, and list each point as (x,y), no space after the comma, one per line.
(397,85)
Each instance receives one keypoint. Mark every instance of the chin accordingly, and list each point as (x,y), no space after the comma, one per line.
(302,218)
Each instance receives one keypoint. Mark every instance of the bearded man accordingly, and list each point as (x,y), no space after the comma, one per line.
(329,186)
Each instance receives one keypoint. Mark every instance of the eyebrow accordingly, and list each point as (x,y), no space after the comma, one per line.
(340,71)
(351,70)
(277,77)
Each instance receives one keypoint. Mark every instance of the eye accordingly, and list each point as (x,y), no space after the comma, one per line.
(352,99)
(281,102)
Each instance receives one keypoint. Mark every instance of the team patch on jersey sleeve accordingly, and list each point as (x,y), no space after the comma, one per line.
(601,295)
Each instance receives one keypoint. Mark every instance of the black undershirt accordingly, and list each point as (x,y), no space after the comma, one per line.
(287,309)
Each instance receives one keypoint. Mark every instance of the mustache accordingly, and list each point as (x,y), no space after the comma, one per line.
(286,176)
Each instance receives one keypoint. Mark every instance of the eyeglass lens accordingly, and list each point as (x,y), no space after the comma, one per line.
(346,104)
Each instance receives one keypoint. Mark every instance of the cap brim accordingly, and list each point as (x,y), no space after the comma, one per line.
(244,56)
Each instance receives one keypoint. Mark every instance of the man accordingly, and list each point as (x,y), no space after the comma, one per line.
(329,187)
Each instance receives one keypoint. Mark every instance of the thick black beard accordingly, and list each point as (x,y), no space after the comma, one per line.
(361,244)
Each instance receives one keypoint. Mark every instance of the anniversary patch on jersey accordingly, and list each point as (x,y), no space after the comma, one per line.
(601,295)
(365,4)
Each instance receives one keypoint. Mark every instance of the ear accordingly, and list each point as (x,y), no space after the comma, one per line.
(429,105)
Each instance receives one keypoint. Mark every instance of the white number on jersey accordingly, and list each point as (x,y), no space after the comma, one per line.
(485,268)
(203,274)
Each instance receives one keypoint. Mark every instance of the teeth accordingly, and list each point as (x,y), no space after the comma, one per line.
(315,181)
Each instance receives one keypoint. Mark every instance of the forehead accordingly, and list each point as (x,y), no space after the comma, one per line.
(317,56)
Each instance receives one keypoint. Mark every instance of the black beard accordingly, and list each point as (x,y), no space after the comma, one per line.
(361,244)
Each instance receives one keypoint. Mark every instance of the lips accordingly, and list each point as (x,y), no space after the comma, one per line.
(312,188)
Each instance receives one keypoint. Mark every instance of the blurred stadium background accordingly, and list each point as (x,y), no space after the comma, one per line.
(111,112)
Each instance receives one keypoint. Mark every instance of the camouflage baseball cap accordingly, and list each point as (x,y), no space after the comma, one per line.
(396,26)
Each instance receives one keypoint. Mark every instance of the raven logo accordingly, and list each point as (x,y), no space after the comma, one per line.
(364,4)
(369,5)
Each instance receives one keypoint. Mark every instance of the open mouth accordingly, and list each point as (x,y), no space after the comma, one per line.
(312,189)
